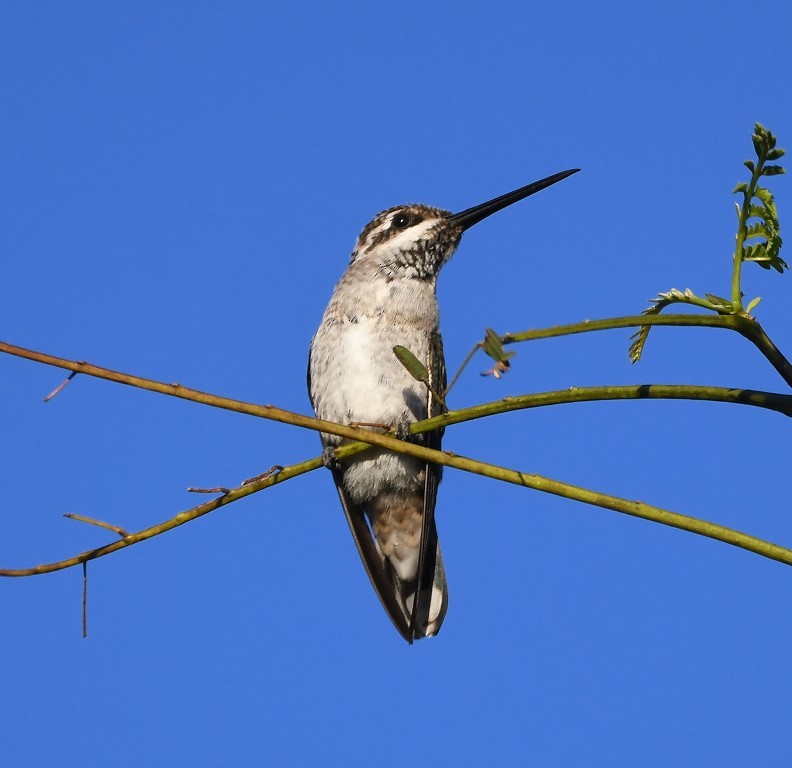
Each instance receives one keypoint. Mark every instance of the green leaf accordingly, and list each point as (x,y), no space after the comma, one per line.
(773,170)
(767,136)
(414,366)
(637,347)
(642,334)
(774,154)
(752,304)
(766,197)
(718,301)
(750,165)
(757,253)
(741,187)
(755,230)
(493,346)
(758,211)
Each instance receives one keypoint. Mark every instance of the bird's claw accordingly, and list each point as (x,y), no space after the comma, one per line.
(401,429)
(329,458)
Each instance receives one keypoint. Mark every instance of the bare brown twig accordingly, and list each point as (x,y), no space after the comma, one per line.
(264,475)
(218,489)
(85,600)
(60,386)
(100,523)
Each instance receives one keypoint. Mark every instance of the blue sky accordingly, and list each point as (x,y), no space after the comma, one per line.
(181,187)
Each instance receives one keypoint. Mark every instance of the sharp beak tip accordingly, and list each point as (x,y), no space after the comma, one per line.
(477,213)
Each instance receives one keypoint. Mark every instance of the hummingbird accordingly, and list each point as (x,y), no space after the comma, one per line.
(387,297)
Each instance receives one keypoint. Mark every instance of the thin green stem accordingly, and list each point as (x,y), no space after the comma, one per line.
(769,400)
(436,396)
(610,323)
(462,367)
(743,325)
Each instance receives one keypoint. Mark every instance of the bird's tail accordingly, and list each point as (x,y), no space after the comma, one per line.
(407,540)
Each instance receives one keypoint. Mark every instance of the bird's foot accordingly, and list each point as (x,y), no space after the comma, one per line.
(329,458)
(401,429)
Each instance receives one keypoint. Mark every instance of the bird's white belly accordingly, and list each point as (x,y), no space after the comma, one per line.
(375,387)
(370,387)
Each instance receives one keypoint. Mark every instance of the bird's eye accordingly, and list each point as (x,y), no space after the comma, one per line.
(400,221)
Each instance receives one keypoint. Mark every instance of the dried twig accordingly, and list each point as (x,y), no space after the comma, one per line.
(85,600)
(108,526)
(218,489)
(273,470)
(60,386)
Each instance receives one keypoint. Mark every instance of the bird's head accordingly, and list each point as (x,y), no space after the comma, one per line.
(415,241)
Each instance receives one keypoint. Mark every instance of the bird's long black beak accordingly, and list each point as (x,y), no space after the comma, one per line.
(474,215)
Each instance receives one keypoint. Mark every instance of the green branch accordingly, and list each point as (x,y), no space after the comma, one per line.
(745,326)
(168,525)
(365,439)
(611,323)
(769,400)
(533,481)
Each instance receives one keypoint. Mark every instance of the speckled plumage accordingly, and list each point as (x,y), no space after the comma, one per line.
(386,297)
